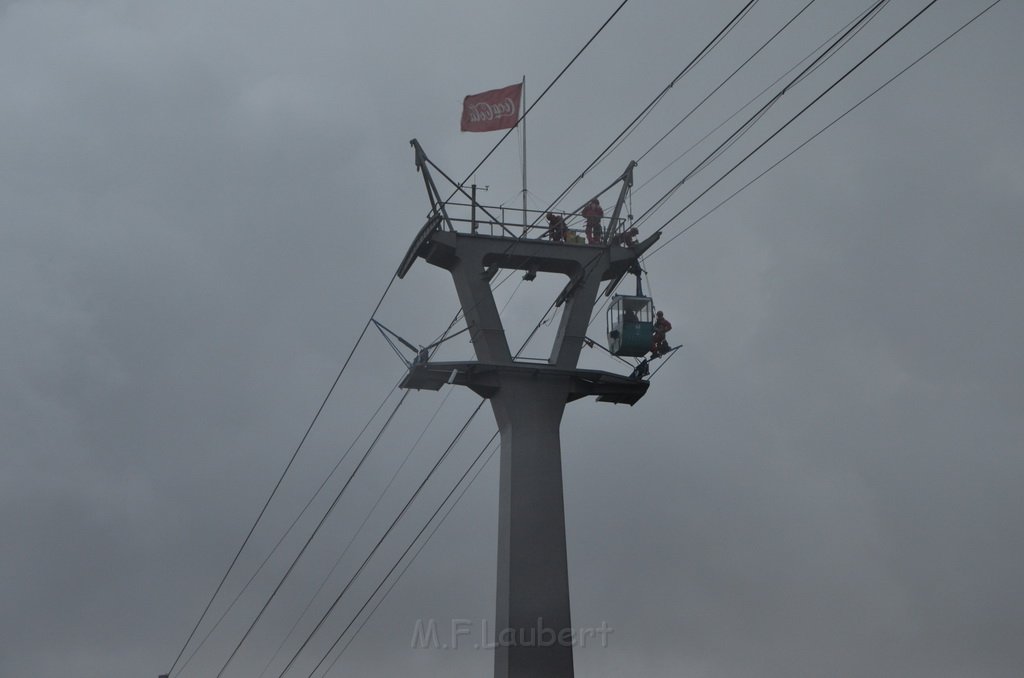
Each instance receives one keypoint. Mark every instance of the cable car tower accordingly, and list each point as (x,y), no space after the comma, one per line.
(528,400)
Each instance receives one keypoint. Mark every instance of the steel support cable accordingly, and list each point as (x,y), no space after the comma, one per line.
(460,189)
(594,342)
(836,120)
(387,339)
(819,133)
(511,246)
(844,35)
(749,102)
(361,335)
(749,123)
(529,338)
(287,467)
(733,195)
(373,551)
(522,347)
(316,530)
(355,535)
(726,81)
(700,55)
(436,348)
(808,141)
(826,127)
(848,34)
(842,42)
(460,314)
(388,531)
(537,101)
(422,544)
(587,269)
(546,90)
(305,508)
(639,118)
(707,48)
(288,530)
(721,35)
(800,113)
(372,445)
(530,108)
(419,549)
(597,313)
(415,494)
(536,328)
(508,301)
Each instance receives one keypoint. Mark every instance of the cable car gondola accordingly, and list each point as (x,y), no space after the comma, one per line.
(630,325)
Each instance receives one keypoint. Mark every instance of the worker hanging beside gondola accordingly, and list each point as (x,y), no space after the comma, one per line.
(630,325)
(659,346)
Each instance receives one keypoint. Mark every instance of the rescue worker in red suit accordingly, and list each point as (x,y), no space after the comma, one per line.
(592,212)
(627,238)
(662,327)
(557,228)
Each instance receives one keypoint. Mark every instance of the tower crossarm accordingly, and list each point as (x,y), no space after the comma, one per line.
(472,259)
(485,380)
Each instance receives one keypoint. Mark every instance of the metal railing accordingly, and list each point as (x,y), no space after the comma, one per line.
(499,220)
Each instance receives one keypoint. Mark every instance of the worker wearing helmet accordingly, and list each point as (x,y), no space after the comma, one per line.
(592,212)
(662,327)
(557,228)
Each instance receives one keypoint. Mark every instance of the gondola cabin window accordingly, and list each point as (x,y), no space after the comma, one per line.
(630,325)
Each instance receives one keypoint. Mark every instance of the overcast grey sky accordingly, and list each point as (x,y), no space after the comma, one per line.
(202,201)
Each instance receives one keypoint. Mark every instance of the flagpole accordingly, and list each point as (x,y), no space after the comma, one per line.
(523,131)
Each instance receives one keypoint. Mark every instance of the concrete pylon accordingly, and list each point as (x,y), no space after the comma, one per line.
(533,625)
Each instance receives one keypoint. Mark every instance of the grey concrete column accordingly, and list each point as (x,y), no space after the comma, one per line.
(482,316)
(532,622)
(533,629)
(572,329)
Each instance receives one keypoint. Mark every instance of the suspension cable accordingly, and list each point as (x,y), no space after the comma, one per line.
(836,120)
(696,60)
(316,416)
(284,472)
(546,90)
(316,531)
(359,530)
(395,522)
(401,513)
(749,123)
(800,113)
(288,530)
(654,102)
(749,102)
(826,127)
(726,81)
(422,544)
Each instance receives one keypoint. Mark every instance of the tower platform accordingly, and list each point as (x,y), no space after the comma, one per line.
(485,379)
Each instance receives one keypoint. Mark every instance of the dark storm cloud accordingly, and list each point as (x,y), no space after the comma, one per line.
(201,202)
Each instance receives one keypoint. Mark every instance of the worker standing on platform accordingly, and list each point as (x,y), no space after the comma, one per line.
(557,228)
(662,327)
(627,238)
(592,212)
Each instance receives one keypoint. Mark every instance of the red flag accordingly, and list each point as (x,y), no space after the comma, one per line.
(491,110)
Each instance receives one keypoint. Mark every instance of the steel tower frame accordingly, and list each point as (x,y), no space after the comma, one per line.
(533,628)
